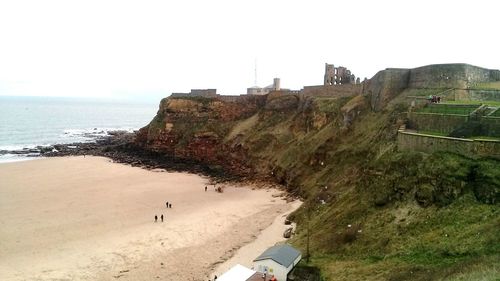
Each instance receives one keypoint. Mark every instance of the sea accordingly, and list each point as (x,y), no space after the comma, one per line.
(29,122)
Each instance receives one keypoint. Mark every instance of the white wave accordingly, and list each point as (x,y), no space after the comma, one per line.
(70,136)
(21,146)
(93,132)
(8,158)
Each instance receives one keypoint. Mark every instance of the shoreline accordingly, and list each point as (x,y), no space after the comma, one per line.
(267,237)
(119,146)
(85,233)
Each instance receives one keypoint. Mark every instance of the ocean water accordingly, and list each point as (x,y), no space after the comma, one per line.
(28,122)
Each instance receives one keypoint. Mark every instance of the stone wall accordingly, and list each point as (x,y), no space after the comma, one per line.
(344,90)
(495,75)
(433,122)
(385,85)
(206,93)
(491,126)
(461,125)
(426,143)
(458,76)
(232,98)
(476,74)
(483,95)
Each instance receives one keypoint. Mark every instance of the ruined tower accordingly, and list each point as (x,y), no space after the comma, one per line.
(329,74)
(338,75)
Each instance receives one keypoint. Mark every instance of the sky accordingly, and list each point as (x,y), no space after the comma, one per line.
(149,49)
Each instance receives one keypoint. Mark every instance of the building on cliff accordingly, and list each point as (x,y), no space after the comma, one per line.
(338,75)
(206,93)
(256,90)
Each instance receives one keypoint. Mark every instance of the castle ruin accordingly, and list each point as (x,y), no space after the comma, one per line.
(338,75)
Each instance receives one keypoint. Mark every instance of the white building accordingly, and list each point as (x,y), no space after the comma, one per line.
(278,260)
(264,91)
(241,273)
(237,273)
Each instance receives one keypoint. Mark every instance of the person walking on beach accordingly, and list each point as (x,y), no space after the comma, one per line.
(156,218)
(166,204)
(161,217)
(170,206)
(205,188)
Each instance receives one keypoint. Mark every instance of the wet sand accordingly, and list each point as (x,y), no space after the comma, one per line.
(77,218)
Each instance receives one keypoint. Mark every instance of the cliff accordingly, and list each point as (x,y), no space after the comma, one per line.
(373,212)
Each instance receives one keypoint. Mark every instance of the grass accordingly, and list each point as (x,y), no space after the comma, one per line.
(449,109)
(243,126)
(487,86)
(484,138)
(413,216)
(487,270)
(474,102)
(433,133)
(438,134)
(496,113)
(454,242)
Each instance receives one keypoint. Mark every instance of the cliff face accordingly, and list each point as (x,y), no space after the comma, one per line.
(339,153)
(195,128)
(230,132)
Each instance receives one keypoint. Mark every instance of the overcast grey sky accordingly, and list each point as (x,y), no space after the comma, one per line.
(152,48)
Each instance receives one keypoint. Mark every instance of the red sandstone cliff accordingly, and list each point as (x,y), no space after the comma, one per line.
(195,129)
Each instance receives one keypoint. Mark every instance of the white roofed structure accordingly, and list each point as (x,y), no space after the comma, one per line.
(237,273)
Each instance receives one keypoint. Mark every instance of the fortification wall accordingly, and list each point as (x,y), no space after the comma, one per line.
(425,143)
(433,122)
(458,76)
(476,74)
(179,95)
(344,90)
(385,85)
(495,75)
(207,93)
(232,98)
(457,94)
(483,95)
(490,126)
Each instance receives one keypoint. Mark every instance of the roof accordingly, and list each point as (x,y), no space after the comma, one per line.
(237,273)
(258,277)
(282,254)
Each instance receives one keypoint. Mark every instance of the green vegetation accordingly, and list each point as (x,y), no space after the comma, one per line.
(437,134)
(433,133)
(464,102)
(449,109)
(487,86)
(495,113)
(412,216)
(372,213)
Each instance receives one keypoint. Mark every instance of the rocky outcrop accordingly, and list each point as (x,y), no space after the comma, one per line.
(352,109)
(240,134)
(195,128)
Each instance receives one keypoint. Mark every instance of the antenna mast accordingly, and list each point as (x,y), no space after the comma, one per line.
(255,72)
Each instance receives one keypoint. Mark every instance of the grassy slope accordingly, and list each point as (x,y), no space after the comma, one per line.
(487,86)
(412,216)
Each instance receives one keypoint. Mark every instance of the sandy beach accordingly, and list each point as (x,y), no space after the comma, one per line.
(77,218)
